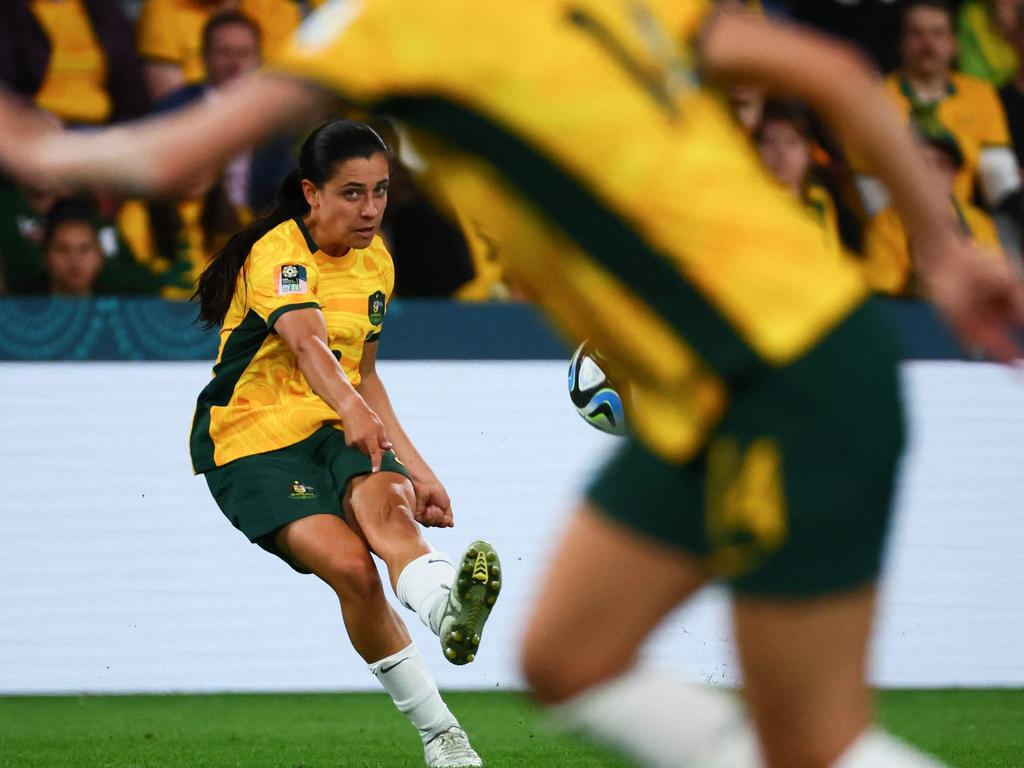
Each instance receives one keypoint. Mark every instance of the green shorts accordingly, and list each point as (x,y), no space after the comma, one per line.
(261,494)
(791,496)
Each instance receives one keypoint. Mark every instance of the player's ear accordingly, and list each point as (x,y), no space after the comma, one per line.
(309,191)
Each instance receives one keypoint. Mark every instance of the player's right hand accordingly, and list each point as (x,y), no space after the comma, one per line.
(364,430)
(980,297)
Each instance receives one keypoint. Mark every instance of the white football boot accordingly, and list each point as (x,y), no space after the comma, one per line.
(451,749)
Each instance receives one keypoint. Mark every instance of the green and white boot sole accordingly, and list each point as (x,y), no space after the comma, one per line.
(476,588)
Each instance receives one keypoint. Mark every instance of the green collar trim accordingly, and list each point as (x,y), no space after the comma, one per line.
(310,242)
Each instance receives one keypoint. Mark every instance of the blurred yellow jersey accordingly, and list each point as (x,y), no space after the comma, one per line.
(258,399)
(625,199)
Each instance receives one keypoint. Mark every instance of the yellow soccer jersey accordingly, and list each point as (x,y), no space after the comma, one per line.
(172,30)
(887,264)
(74,87)
(653,230)
(971,111)
(258,399)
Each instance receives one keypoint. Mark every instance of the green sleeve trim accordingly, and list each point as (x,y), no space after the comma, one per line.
(372,336)
(599,229)
(276,314)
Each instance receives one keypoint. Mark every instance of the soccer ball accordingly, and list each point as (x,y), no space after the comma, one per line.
(596,400)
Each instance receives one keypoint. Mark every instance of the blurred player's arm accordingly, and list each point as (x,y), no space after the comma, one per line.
(433,506)
(983,300)
(838,83)
(160,155)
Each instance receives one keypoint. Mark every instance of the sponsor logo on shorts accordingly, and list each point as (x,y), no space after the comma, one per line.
(302,491)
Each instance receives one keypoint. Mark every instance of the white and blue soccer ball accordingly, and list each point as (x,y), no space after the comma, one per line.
(596,400)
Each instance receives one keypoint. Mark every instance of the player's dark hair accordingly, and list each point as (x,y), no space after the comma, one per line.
(325,148)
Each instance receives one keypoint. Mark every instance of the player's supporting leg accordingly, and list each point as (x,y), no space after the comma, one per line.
(333,551)
(607,589)
(804,669)
(454,607)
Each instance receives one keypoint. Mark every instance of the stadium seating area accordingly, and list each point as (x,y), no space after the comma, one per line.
(91,62)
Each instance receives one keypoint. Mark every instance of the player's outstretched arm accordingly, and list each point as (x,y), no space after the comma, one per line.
(982,302)
(433,506)
(305,333)
(159,154)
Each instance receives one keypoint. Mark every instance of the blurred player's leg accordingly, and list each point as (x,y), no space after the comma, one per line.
(804,667)
(607,589)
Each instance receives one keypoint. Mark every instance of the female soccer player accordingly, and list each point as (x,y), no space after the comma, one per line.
(294,433)
(766,411)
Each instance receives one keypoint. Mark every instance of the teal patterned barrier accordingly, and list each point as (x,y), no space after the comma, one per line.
(154,329)
(101,329)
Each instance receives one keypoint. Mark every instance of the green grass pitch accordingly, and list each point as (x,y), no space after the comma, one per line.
(968,728)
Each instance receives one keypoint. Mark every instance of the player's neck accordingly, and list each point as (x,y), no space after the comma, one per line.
(323,242)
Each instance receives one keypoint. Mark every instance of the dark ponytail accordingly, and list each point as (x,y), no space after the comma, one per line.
(326,147)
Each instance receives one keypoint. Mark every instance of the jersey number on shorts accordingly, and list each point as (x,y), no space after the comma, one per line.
(745,503)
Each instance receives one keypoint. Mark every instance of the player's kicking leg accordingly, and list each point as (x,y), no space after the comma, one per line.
(453,601)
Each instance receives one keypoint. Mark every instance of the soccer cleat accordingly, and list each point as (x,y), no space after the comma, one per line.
(469,603)
(451,749)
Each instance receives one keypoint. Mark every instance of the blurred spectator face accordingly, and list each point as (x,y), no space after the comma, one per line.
(928,46)
(786,152)
(73,258)
(943,164)
(233,50)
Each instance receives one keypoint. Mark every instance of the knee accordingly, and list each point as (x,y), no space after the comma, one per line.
(352,575)
(556,671)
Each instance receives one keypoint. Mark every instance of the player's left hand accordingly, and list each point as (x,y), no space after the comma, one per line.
(433,507)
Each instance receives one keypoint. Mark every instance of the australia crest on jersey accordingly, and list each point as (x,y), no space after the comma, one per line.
(291,279)
(375,307)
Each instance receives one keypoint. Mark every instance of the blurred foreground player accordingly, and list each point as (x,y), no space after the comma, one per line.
(767,414)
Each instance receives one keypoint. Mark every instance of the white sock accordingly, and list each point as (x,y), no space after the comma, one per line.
(876,749)
(423,587)
(405,677)
(663,723)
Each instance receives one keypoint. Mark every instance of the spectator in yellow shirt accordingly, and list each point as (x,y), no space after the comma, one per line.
(927,90)
(170,36)
(74,58)
(887,263)
(786,145)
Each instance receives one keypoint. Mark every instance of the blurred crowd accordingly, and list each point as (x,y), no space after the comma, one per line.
(953,69)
